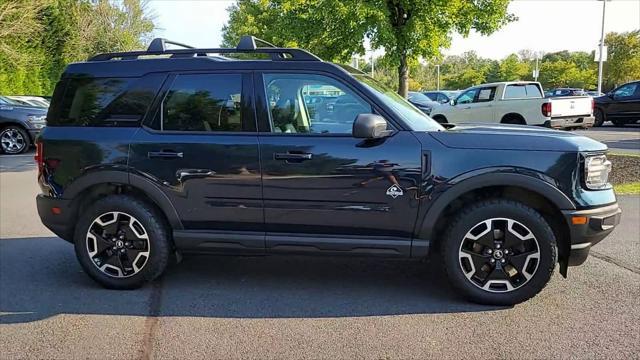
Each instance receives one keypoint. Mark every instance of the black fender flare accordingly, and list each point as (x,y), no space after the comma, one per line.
(145,185)
(470,182)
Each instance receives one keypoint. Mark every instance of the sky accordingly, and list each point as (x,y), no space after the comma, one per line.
(543,25)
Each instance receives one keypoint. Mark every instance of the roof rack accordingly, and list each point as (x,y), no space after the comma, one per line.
(247,44)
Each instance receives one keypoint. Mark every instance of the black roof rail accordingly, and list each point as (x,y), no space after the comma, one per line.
(250,43)
(158,45)
(247,45)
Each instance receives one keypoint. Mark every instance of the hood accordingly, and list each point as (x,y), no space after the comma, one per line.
(515,137)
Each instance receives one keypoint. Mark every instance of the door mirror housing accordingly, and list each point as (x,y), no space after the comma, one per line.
(370,126)
(452,102)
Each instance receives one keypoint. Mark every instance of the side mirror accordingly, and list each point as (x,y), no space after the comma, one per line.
(452,102)
(370,126)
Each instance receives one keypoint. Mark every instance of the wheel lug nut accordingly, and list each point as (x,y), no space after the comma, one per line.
(497,246)
(493,260)
(490,251)
(503,261)
(122,250)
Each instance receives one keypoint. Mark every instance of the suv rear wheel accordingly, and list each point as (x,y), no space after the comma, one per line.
(599,118)
(499,252)
(14,140)
(122,242)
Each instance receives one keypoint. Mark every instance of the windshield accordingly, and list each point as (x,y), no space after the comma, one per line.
(413,117)
(419,97)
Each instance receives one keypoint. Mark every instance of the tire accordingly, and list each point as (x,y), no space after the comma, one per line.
(440,119)
(600,118)
(14,140)
(145,238)
(495,284)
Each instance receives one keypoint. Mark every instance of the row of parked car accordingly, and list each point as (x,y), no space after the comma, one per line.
(21,120)
(525,103)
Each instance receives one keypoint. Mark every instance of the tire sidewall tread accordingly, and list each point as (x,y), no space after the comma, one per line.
(155,226)
(472,215)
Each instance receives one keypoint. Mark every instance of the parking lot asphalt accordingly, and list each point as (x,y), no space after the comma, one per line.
(620,140)
(298,307)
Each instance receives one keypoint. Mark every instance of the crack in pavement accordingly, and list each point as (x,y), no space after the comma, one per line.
(614,261)
(151,321)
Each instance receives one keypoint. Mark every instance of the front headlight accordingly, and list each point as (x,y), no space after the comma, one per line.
(596,171)
(38,121)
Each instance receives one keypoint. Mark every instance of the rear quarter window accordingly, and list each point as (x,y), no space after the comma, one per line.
(522,91)
(100,102)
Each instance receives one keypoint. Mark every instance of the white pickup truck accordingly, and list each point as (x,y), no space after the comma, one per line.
(518,102)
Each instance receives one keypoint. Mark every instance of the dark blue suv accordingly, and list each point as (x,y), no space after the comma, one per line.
(152,154)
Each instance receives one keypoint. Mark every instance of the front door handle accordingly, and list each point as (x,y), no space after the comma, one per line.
(185,174)
(165,154)
(292,157)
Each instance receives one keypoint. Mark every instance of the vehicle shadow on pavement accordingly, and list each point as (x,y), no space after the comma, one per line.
(40,278)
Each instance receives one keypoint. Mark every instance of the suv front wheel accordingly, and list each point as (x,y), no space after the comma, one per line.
(499,252)
(14,140)
(122,242)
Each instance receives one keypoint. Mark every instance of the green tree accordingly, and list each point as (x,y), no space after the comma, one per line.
(623,63)
(39,38)
(335,29)
(511,69)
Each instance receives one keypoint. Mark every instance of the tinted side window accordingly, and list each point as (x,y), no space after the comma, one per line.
(316,104)
(86,100)
(203,102)
(486,94)
(102,101)
(522,91)
(467,97)
(625,91)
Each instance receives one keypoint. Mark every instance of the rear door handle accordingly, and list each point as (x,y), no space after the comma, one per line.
(164,154)
(293,157)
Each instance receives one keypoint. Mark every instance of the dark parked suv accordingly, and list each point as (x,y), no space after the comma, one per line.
(621,106)
(157,153)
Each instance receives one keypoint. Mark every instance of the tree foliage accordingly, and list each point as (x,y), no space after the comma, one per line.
(623,63)
(39,38)
(335,29)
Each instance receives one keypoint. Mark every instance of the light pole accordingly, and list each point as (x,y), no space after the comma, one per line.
(372,64)
(438,78)
(604,9)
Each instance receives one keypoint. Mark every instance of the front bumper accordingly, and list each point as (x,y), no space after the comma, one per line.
(62,221)
(599,223)
(571,122)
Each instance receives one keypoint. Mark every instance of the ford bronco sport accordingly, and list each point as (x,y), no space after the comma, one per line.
(263,150)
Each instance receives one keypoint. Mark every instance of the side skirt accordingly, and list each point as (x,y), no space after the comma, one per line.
(198,241)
